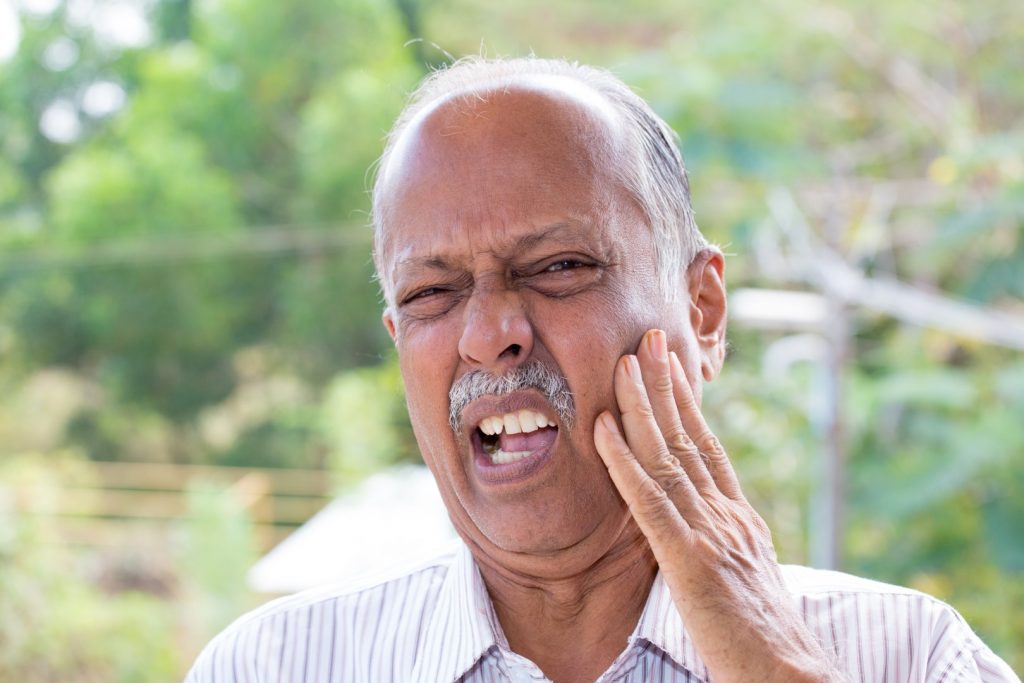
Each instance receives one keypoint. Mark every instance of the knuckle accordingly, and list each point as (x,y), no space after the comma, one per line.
(676,486)
(710,442)
(650,498)
(686,400)
(677,439)
(663,384)
(663,469)
(641,409)
(644,411)
(706,461)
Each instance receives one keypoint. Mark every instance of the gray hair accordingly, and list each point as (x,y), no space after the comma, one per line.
(530,375)
(656,179)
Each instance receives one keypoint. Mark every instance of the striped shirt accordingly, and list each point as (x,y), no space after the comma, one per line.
(436,624)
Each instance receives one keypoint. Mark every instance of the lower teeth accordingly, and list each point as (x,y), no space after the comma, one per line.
(500,457)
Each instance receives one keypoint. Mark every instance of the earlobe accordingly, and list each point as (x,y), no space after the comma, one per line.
(708,309)
(389,324)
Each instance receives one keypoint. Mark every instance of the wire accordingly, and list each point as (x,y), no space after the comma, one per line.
(252,242)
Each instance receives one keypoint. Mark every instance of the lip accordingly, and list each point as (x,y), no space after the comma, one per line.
(492,473)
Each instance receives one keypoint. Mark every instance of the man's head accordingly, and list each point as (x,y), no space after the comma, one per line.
(514,209)
(653,172)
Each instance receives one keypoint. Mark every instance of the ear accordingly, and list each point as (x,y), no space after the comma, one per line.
(389,323)
(705,284)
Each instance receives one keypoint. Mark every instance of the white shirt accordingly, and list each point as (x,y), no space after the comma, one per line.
(436,624)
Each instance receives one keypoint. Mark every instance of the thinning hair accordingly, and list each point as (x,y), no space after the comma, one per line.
(656,179)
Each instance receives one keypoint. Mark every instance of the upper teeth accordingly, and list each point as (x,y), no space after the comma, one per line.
(525,421)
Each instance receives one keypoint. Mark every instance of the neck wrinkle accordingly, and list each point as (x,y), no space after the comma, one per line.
(586,615)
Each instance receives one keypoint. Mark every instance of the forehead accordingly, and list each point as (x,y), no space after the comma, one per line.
(560,113)
(489,164)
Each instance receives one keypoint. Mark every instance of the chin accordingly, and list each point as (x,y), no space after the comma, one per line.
(558,532)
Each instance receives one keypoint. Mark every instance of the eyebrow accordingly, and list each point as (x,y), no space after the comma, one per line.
(561,232)
(428,262)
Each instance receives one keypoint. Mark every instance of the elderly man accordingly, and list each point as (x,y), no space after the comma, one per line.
(556,311)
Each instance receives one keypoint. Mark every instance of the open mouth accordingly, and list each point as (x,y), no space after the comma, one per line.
(514,436)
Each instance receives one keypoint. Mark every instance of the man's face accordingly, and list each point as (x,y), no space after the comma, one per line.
(509,242)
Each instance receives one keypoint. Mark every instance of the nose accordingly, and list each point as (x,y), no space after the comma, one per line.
(497,334)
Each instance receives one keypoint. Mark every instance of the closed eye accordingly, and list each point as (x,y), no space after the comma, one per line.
(424,294)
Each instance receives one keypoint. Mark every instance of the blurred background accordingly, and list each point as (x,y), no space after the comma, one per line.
(191,358)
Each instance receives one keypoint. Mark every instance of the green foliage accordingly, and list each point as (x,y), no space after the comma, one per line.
(149,180)
(216,548)
(347,113)
(365,422)
(199,264)
(56,626)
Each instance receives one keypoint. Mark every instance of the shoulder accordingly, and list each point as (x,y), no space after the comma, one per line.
(808,581)
(885,631)
(327,627)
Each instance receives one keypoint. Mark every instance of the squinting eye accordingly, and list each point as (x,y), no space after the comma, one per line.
(565,264)
(424,293)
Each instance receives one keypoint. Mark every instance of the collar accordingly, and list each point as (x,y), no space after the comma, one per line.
(661,625)
(461,628)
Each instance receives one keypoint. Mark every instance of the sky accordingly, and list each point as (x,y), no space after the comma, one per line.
(10,30)
(115,23)
(119,23)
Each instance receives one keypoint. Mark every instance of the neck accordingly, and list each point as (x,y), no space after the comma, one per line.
(573,626)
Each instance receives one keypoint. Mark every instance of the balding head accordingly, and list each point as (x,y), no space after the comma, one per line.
(641,152)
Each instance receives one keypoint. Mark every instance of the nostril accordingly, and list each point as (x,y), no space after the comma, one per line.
(512,350)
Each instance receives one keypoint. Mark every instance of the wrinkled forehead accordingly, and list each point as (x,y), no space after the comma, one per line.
(517,139)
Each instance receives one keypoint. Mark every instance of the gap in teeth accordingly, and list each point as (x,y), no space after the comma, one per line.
(490,444)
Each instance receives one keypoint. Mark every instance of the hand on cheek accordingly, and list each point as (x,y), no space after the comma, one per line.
(715,552)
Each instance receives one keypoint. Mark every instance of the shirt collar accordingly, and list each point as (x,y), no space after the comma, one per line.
(461,628)
(661,625)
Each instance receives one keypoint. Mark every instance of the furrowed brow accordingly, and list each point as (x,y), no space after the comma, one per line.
(559,233)
(423,263)
(564,233)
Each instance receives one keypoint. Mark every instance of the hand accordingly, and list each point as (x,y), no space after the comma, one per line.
(715,552)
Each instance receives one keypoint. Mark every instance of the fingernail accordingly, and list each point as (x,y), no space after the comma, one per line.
(633,367)
(656,344)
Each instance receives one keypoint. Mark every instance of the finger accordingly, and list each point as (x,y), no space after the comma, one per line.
(655,514)
(645,442)
(706,441)
(657,380)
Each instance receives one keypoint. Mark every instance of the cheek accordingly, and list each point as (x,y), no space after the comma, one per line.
(428,366)
(588,338)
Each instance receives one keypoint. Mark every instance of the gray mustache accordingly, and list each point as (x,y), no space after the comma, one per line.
(531,375)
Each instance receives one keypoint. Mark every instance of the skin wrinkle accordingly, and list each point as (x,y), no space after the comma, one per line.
(602,146)
(652,171)
(412,267)
(497,222)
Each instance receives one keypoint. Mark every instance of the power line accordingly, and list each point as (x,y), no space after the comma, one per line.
(263,241)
